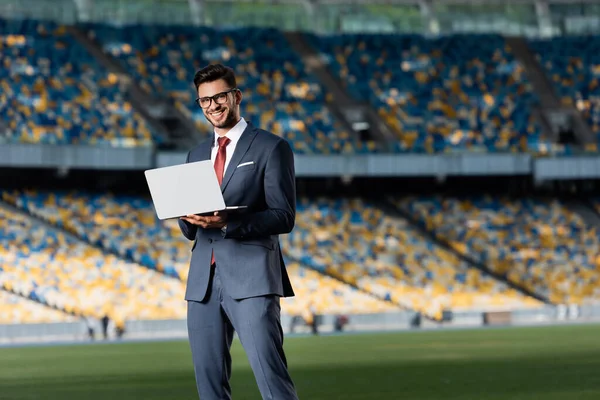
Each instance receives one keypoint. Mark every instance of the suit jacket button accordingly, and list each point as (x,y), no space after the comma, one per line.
(209,240)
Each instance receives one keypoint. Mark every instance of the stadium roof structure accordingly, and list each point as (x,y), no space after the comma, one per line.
(433,17)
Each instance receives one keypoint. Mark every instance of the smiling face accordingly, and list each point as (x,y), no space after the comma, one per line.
(220,104)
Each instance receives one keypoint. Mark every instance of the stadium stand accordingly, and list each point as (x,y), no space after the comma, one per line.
(428,278)
(571,64)
(359,244)
(278,94)
(128,226)
(454,92)
(345,239)
(537,244)
(52,91)
(458,92)
(48,266)
(18,310)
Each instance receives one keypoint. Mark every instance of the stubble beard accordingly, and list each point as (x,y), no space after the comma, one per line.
(228,123)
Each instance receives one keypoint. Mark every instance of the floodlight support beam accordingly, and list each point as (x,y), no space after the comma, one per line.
(197,11)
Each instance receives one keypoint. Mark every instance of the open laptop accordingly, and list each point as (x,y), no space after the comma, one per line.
(186,189)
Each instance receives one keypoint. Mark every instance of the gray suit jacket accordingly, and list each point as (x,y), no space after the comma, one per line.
(260,175)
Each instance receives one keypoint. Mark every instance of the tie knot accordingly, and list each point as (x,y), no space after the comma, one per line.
(223,141)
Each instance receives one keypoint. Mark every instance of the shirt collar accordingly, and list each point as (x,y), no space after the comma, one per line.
(234,133)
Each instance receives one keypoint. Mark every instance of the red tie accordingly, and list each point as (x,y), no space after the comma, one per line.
(221,156)
(220,168)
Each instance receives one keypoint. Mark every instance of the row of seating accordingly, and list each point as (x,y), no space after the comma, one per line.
(315,293)
(53,91)
(19,310)
(537,244)
(321,294)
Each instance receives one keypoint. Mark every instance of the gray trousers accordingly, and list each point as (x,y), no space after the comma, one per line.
(256,320)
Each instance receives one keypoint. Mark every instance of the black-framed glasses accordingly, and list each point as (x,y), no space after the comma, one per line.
(219,98)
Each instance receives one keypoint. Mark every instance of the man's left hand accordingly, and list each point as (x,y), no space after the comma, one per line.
(216,221)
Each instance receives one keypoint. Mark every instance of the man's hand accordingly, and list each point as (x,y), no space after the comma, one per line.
(216,221)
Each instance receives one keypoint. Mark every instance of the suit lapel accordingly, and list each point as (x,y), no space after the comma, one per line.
(240,149)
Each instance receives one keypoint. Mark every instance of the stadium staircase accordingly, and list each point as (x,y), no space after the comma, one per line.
(390,208)
(3,129)
(355,115)
(585,210)
(179,130)
(551,113)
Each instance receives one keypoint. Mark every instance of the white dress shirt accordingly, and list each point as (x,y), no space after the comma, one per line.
(234,135)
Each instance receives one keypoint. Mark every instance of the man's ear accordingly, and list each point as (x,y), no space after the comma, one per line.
(238,97)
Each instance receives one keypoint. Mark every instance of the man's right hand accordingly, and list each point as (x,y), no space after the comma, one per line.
(216,221)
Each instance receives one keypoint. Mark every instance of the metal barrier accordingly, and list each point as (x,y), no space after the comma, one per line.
(16,333)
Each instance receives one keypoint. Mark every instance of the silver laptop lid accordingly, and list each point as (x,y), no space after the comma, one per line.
(185,189)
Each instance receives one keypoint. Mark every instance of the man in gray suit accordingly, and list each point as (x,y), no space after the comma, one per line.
(237,273)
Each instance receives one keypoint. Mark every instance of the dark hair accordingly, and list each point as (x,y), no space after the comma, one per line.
(214,72)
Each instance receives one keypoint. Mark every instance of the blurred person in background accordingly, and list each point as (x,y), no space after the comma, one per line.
(105,322)
(237,272)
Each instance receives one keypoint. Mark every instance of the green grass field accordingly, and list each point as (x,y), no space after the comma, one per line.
(517,364)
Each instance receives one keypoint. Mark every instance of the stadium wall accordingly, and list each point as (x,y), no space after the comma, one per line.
(397,321)
(307,165)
